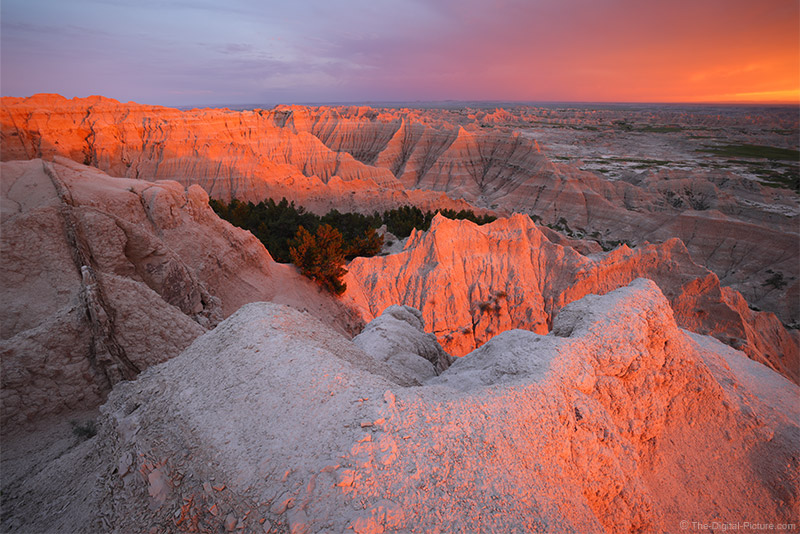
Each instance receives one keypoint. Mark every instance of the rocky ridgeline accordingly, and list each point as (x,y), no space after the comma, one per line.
(616,421)
(247,155)
(103,277)
(472,282)
(107,276)
(363,159)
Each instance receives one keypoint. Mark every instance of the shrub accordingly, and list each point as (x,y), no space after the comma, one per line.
(776,281)
(83,431)
(367,245)
(401,221)
(320,257)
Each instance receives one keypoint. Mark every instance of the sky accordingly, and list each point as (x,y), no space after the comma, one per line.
(207,52)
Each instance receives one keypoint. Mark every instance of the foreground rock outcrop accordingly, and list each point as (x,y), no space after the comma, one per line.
(103,277)
(398,335)
(617,421)
(472,282)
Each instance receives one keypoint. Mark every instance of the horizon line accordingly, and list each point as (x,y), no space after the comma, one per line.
(378,102)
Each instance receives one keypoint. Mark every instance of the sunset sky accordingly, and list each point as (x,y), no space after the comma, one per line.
(206,52)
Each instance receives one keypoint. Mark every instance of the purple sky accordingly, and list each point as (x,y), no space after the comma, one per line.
(204,52)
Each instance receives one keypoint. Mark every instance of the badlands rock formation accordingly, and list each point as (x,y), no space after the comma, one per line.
(363,159)
(247,155)
(727,222)
(399,336)
(617,421)
(472,282)
(273,420)
(103,277)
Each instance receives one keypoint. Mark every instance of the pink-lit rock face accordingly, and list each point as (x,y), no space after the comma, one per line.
(247,155)
(103,277)
(617,421)
(472,282)
(364,159)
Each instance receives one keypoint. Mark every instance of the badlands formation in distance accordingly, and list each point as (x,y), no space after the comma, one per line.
(618,352)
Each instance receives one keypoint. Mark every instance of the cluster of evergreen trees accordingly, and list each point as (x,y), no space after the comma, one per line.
(319,245)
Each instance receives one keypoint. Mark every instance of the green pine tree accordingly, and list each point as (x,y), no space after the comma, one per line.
(320,256)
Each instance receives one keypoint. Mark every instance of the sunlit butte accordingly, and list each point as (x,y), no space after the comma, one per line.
(244,51)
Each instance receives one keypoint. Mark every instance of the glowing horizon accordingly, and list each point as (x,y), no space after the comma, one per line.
(171,53)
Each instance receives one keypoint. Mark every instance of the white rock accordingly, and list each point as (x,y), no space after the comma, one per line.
(398,338)
(506,439)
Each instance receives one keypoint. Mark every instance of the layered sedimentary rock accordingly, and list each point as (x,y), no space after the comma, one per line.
(472,282)
(248,155)
(363,159)
(103,277)
(617,421)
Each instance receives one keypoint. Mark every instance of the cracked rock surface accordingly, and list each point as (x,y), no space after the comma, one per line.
(620,423)
(103,277)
